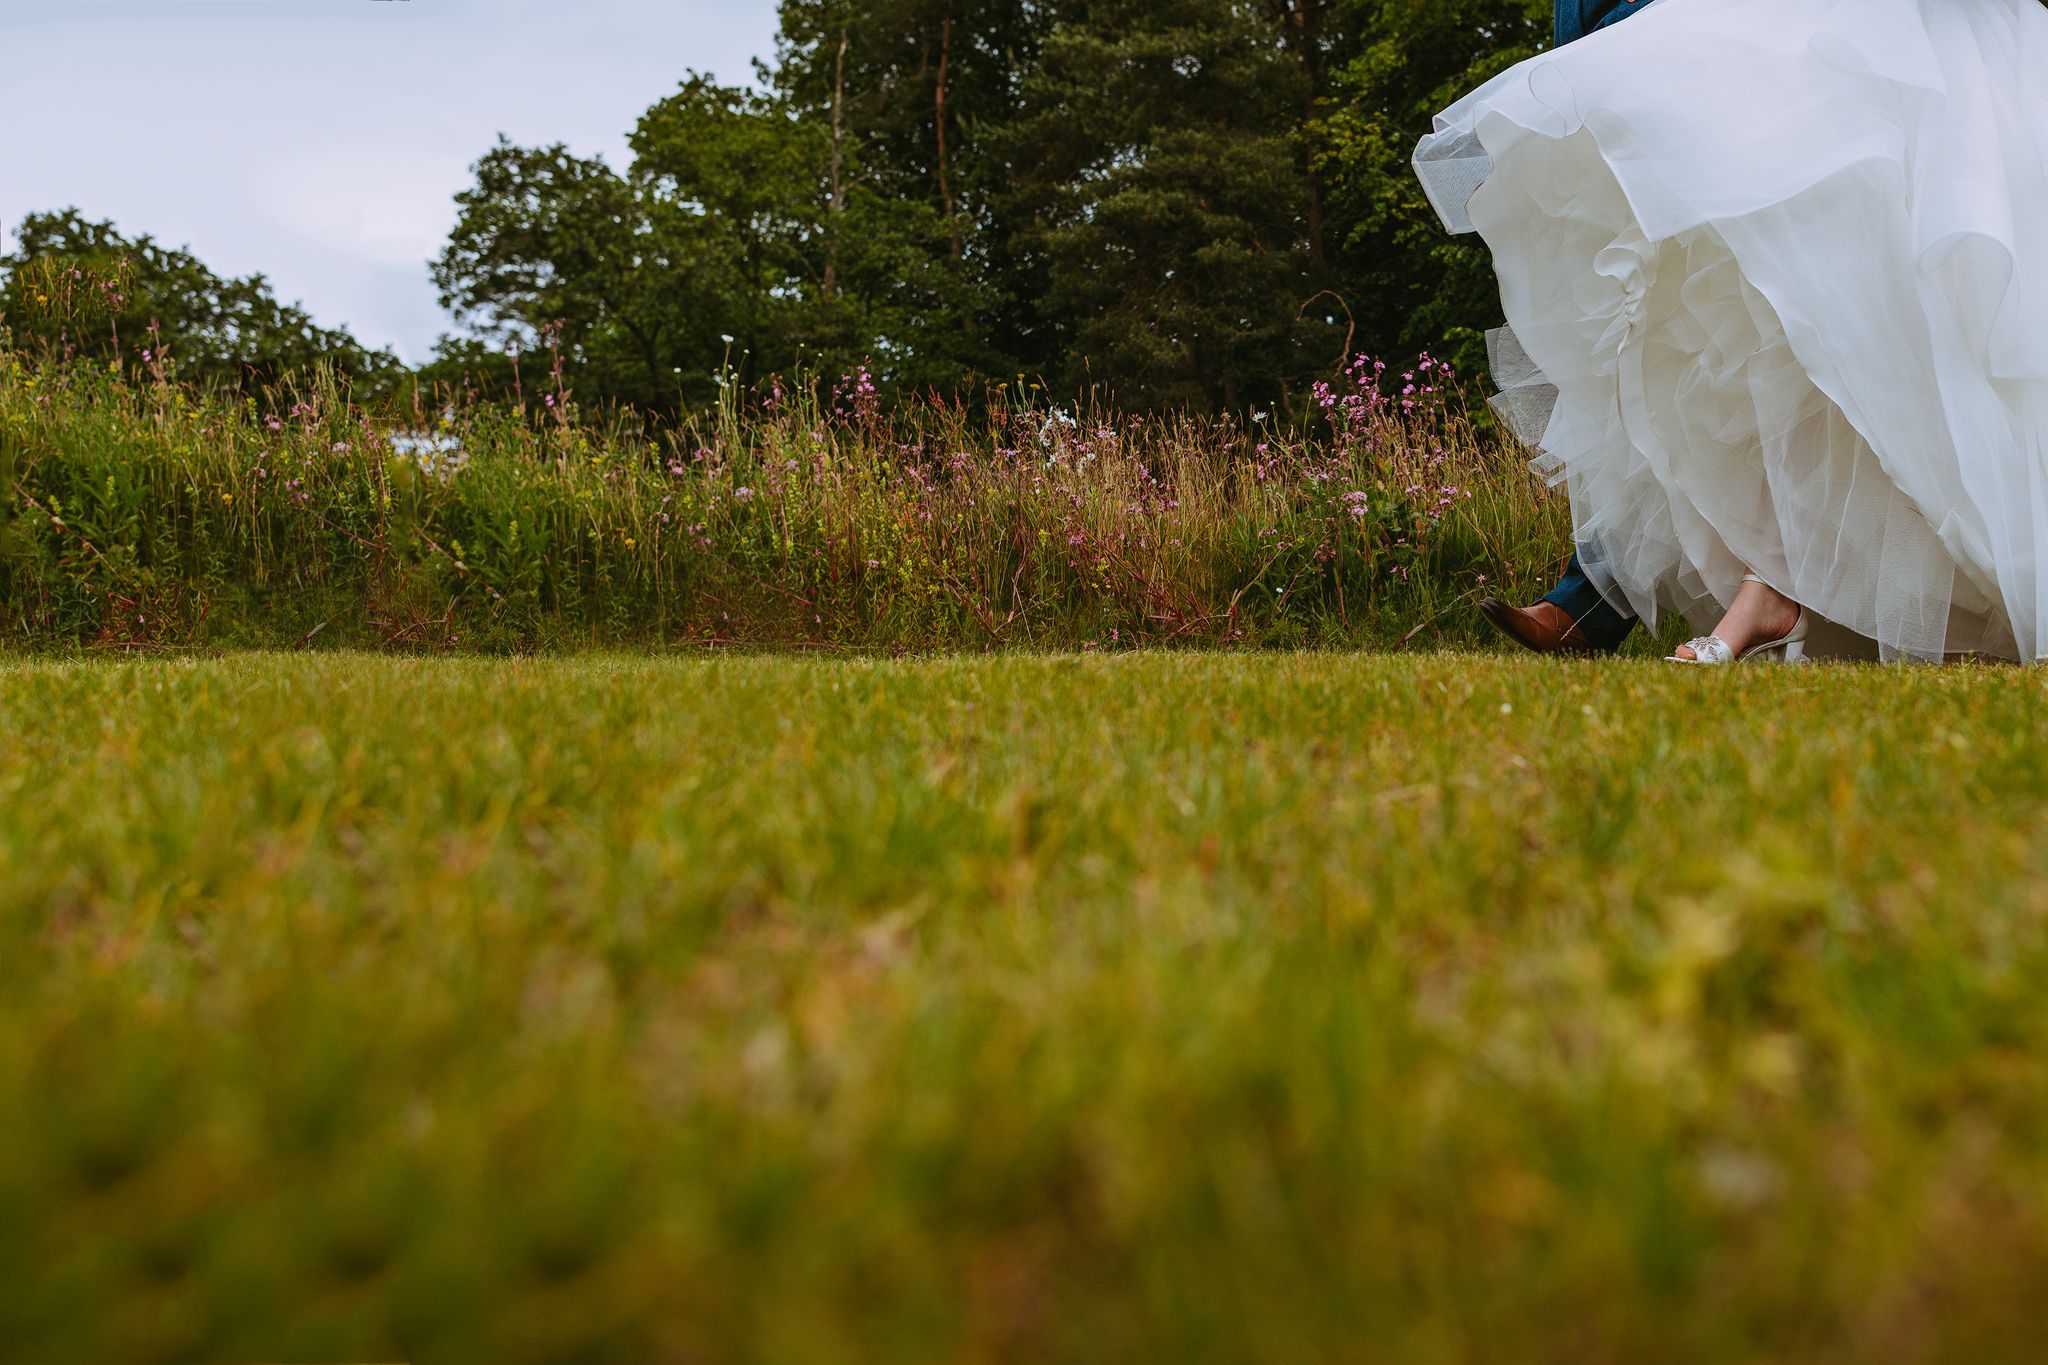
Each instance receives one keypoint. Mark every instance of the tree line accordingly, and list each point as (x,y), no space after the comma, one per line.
(1182,204)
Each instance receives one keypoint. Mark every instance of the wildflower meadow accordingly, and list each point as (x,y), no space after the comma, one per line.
(145,514)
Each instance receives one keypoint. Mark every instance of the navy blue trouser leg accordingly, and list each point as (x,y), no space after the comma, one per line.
(1574,19)
(1604,627)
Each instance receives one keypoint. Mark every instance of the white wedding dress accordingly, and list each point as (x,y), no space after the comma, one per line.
(1785,263)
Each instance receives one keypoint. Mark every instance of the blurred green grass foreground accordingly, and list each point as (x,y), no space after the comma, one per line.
(1171,1007)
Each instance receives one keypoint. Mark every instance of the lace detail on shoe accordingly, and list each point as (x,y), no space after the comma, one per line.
(1707,649)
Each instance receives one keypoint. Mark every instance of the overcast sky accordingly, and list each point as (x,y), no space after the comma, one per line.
(320,142)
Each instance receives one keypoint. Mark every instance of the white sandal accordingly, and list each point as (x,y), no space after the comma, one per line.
(1712,649)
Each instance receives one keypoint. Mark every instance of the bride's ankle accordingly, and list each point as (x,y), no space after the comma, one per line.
(1760,610)
(1776,617)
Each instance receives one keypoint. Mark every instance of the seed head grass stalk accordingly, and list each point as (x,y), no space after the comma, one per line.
(146,514)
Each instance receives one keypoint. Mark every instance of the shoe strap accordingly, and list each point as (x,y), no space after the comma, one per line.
(1710,649)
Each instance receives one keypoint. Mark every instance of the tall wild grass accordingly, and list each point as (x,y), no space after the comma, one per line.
(143,513)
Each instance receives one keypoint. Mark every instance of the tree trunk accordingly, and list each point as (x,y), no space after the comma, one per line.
(838,202)
(1301,29)
(945,189)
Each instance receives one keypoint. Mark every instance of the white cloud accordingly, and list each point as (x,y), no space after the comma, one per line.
(379,204)
(322,144)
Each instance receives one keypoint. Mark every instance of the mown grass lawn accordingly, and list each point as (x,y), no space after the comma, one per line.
(1170,1007)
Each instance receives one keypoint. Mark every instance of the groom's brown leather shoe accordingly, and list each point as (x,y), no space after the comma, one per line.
(1545,627)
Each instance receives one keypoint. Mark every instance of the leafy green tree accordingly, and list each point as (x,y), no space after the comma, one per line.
(728,239)
(905,85)
(730,178)
(909,95)
(1197,203)
(216,330)
(1163,199)
(549,240)
(1412,285)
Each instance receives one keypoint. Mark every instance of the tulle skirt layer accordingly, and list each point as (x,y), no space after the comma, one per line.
(1786,264)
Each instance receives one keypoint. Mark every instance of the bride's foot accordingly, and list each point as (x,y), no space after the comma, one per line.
(1760,613)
